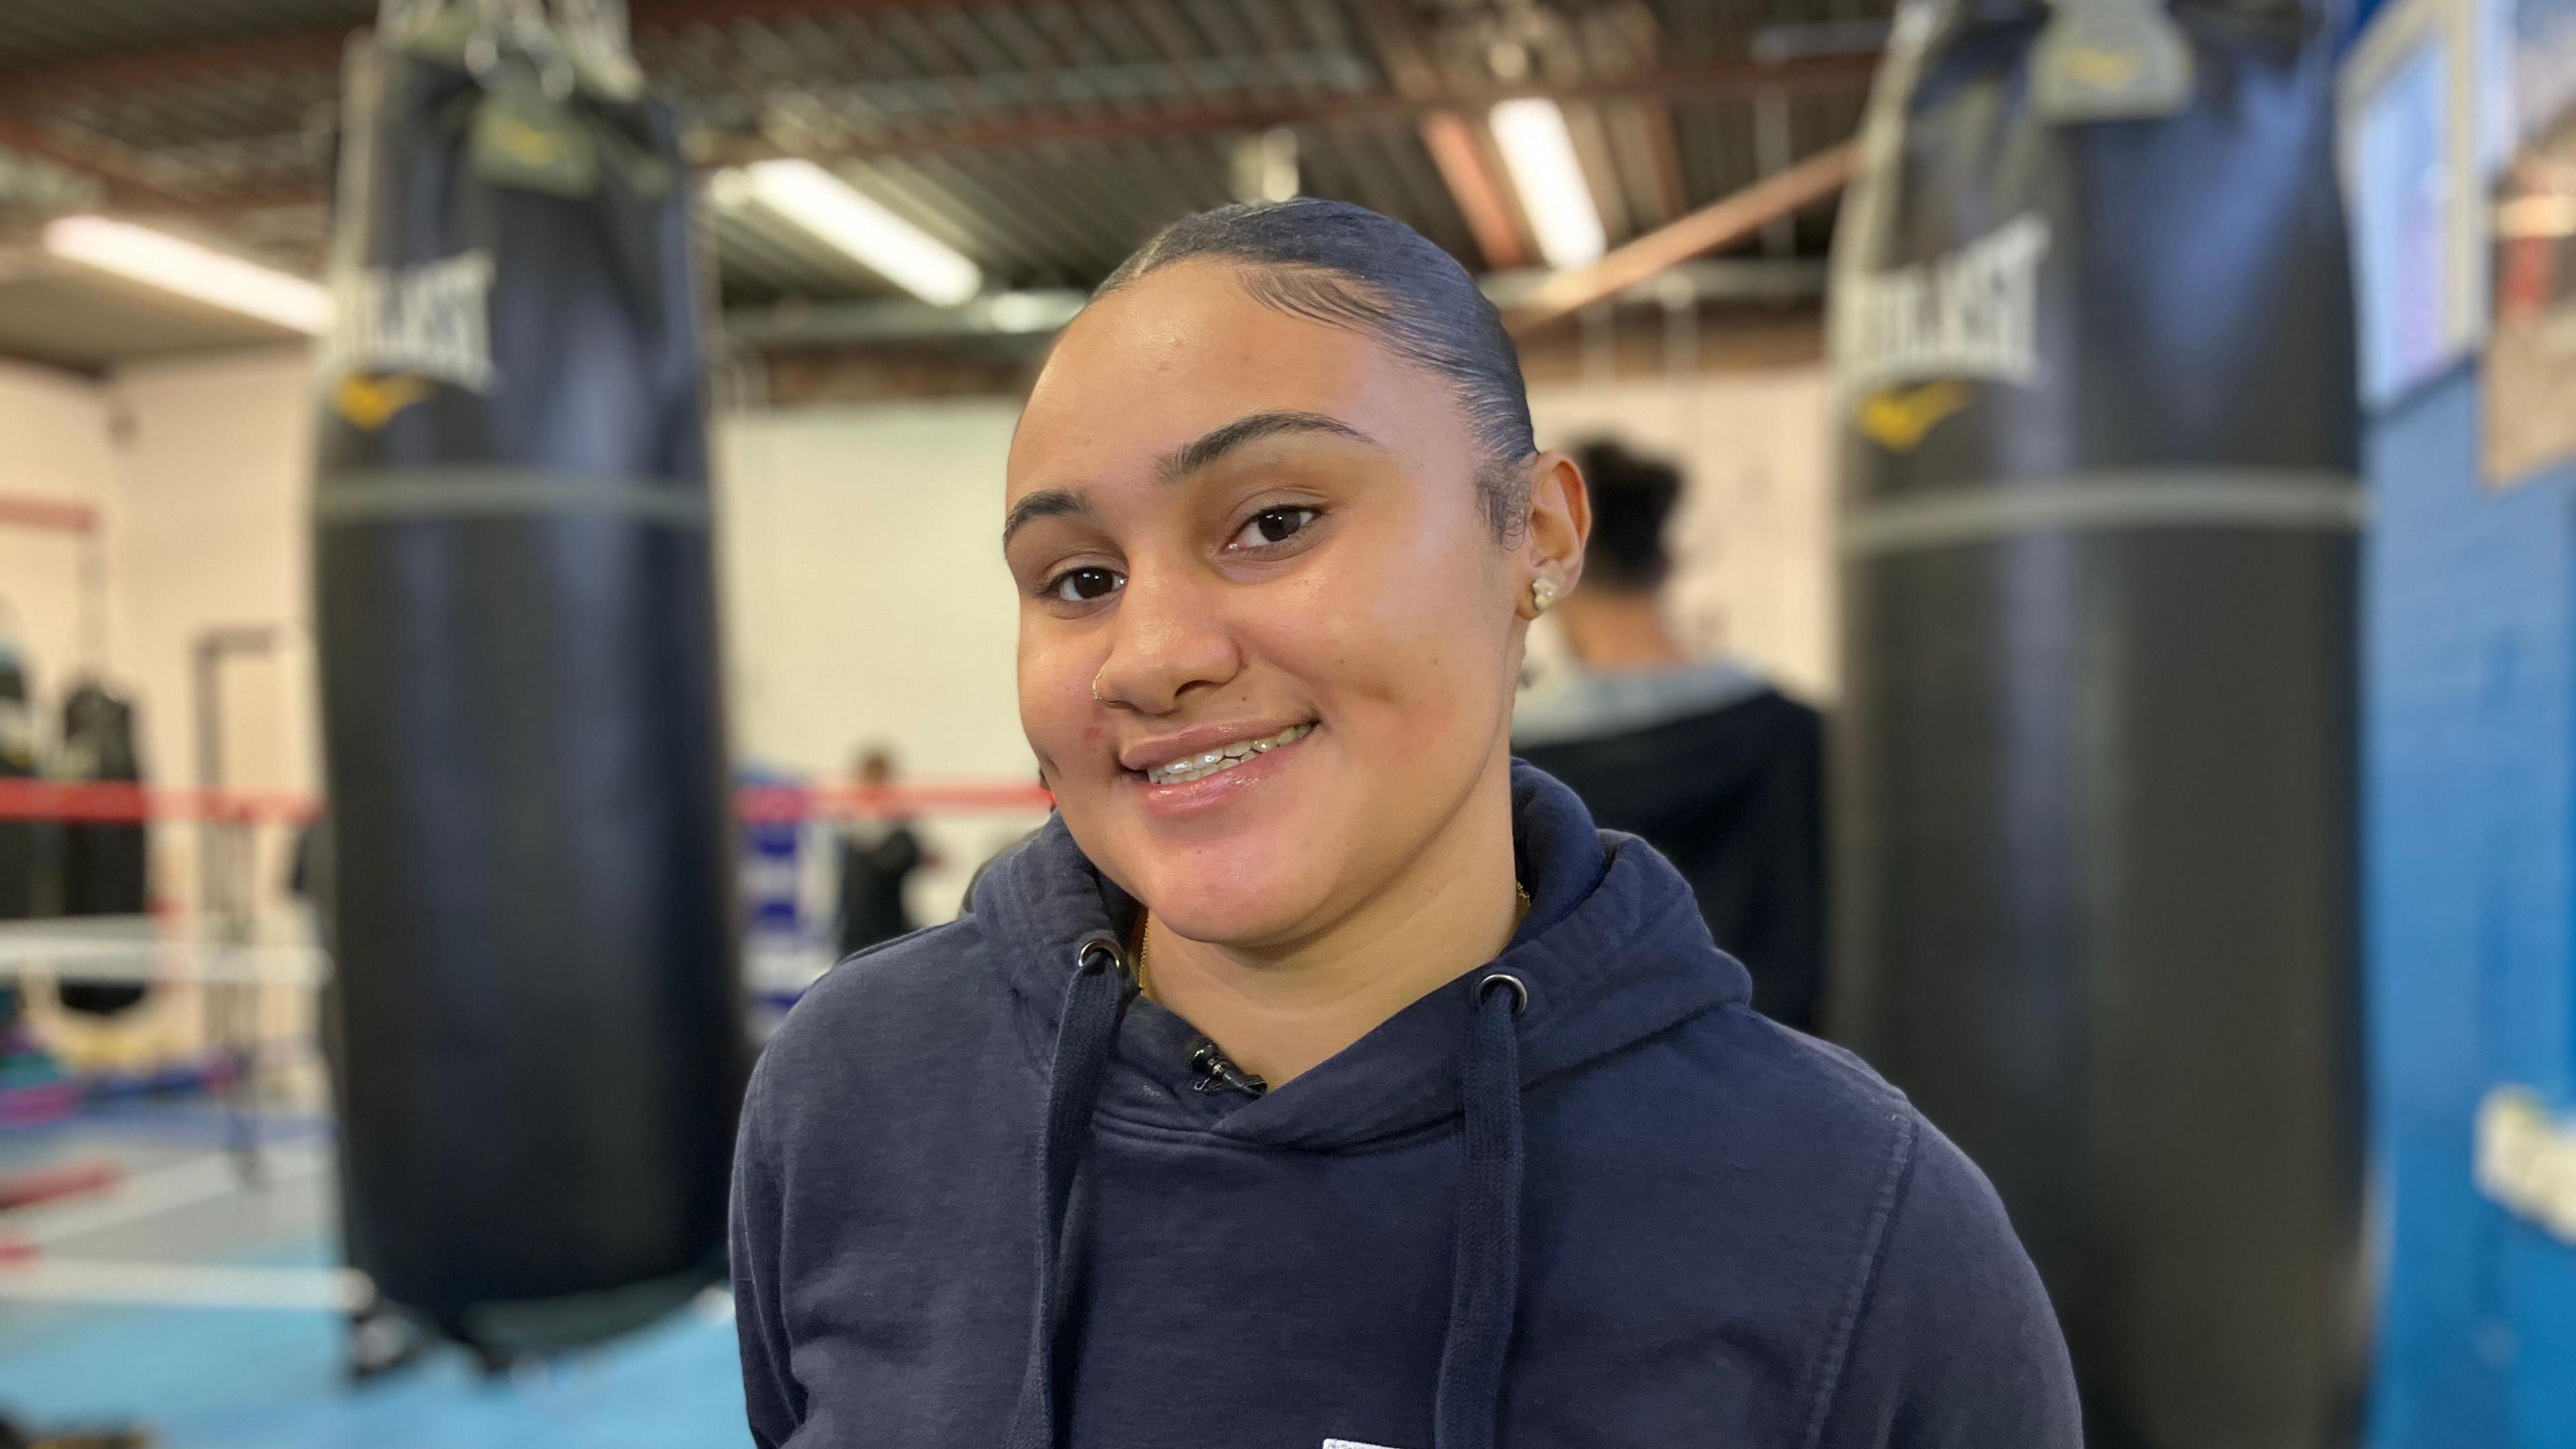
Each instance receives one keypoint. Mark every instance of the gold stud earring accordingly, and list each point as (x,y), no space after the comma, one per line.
(1542,594)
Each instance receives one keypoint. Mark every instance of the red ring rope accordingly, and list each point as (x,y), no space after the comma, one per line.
(122,803)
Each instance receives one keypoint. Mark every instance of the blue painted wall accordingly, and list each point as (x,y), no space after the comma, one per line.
(2469,739)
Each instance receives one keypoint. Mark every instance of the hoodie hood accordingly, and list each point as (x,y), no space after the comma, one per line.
(1612,952)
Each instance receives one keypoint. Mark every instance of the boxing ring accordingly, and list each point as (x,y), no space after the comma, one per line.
(235,1082)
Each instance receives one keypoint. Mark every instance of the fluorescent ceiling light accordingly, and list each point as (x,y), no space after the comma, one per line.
(1032,311)
(173,264)
(824,205)
(1539,153)
(2541,214)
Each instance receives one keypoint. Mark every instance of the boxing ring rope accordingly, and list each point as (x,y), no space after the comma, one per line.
(126,803)
(271,951)
(150,949)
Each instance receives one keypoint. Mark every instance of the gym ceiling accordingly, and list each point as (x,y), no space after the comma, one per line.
(1042,139)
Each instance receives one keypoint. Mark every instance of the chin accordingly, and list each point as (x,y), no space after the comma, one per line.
(1234,903)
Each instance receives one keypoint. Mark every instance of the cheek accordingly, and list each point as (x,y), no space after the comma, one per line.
(1056,712)
(1405,637)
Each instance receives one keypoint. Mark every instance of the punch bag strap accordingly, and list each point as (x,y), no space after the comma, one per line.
(2109,60)
(484,491)
(2093,502)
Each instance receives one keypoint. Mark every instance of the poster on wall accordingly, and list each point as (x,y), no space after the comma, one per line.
(2530,389)
(2402,231)
(2415,151)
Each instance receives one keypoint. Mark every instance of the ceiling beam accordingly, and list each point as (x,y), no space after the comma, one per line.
(1475,183)
(1721,223)
(122,185)
(1031,317)
(1688,80)
(1457,149)
(320,47)
(1207,115)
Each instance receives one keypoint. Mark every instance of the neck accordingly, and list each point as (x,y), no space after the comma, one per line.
(1616,632)
(1278,1011)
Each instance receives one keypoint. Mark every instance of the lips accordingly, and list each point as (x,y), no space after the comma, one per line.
(1216,760)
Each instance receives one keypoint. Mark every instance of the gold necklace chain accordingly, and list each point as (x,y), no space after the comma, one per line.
(1145,922)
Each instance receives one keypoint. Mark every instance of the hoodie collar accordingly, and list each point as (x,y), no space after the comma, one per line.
(1613,950)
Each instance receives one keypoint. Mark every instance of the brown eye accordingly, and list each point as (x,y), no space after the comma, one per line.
(1082,586)
(1274,525)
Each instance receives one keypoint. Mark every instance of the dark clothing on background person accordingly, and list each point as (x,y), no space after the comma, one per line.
(1725,776)
(873,873)
(1667,1220)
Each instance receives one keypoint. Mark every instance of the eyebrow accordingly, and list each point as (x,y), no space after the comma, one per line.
(1184,461)
(1181,462)
(1045,503)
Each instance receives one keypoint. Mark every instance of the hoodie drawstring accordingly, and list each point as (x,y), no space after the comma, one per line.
(1484,1276)
(1484,1287)
(1085,1032)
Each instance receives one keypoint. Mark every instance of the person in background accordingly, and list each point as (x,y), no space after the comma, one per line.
(876,862)
(1704,758)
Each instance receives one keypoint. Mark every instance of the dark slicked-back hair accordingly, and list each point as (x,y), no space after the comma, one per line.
(1632,499)
(1348,266)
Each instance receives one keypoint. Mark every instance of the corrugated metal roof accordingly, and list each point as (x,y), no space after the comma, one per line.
(1041,138)
(58,30)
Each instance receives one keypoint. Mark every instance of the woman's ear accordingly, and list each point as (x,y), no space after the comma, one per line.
(1560,519)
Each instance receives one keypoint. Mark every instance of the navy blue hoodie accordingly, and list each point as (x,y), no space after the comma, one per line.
(982,1199)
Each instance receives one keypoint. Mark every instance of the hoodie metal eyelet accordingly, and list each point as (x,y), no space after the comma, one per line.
(1099,954)
(1520,992)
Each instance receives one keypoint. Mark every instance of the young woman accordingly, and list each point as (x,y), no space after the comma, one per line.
(1317,1077)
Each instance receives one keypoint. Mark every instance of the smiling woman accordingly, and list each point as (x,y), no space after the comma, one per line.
(1375,1096)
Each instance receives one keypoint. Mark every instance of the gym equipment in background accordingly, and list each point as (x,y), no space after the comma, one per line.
(533,913)
(104,863)
(2095,788)
(17,762)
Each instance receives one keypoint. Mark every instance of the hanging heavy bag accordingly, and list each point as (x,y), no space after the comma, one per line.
(544,1050)
(2093,342)
(17,762)
(104,865)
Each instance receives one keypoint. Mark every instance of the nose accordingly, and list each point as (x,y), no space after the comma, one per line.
(1169,638)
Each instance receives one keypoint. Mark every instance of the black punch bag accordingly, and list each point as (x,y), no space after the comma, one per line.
(105,864)
(17,762)
(544,1052)
(2093,343)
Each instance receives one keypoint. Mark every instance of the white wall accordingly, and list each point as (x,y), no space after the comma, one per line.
(54,448)
(1753,542)
(865,593)
(864,599)
(211,489)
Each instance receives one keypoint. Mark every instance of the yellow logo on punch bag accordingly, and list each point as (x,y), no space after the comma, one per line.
(1916,344)
(2101,69)
(371,402)
(1898,418)
(524,143)
(398,332)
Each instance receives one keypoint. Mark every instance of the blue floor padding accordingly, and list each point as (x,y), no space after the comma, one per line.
(202,1378)
(220,1379)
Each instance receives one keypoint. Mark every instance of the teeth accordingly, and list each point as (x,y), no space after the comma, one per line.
(1199,767)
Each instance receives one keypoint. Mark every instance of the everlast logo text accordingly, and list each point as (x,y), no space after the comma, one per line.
(429,321)
(1973,314)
